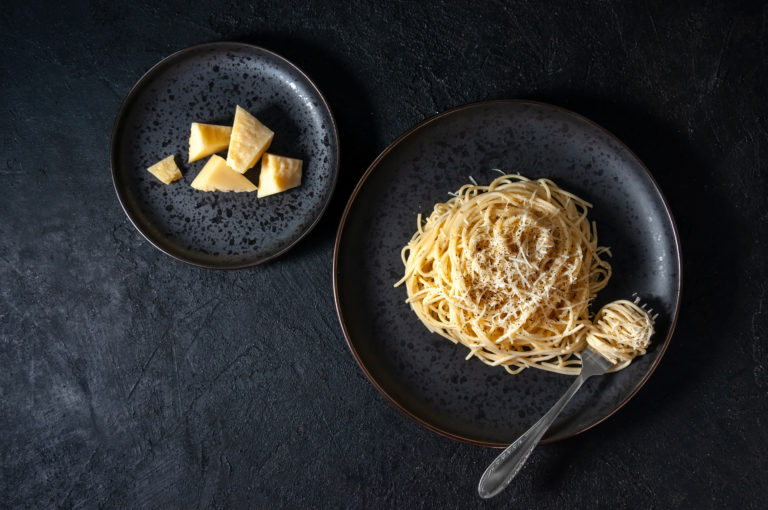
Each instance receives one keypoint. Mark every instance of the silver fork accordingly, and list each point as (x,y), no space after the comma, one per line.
(508,464)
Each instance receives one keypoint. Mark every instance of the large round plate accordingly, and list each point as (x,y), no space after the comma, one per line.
(425,375)
(204,84)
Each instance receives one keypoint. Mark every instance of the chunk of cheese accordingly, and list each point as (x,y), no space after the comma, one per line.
(217,176)
(278,173)
(250,139)
(205,139)
(166,170)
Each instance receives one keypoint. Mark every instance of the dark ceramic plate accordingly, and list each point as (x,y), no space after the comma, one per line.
(425,375)
(204,84)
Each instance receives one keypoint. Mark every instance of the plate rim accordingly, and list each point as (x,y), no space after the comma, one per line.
(407,134)
(139,85)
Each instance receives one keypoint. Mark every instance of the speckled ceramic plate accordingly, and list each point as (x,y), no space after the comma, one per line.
(204,84)
(425,375)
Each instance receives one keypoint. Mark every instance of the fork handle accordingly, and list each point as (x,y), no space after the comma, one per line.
(508,463)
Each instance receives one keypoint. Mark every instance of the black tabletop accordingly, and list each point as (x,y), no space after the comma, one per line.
(129,379)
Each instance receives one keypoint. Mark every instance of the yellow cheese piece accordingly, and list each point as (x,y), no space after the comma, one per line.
(250,139)
(205,139)
(217,176)
(278,173)
(166,170)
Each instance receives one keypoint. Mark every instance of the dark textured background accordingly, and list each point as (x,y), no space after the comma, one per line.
(128,379)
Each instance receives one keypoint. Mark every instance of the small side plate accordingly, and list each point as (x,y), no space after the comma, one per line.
(204,84)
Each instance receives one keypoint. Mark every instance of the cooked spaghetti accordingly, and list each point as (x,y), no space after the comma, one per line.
(509,271)
(622,330)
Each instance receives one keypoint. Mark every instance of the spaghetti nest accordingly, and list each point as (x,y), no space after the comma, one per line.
(509,271)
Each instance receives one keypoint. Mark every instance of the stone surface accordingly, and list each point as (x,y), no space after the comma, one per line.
(129,379)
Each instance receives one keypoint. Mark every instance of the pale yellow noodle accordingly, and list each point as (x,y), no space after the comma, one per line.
(622,330)
(509,271)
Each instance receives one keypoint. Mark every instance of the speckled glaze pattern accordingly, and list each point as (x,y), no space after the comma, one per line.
(425,375)
(204,84)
